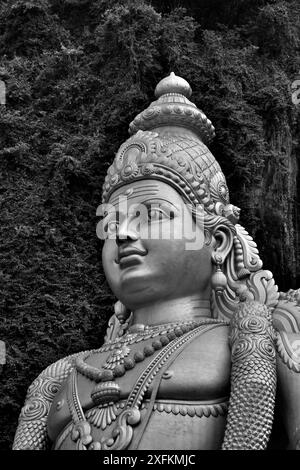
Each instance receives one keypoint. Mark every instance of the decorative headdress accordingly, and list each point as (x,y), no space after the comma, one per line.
(168,143)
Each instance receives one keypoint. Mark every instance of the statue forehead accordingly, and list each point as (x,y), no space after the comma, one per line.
(145,189)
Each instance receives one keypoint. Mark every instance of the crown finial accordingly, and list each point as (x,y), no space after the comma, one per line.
(173,84)
(172,108)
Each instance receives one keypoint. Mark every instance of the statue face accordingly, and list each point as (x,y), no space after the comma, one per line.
(151,259)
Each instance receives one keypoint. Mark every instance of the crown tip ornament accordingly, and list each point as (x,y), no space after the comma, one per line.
(173,84)
(172,108)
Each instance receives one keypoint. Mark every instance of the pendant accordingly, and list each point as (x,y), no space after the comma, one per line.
(122,433)
(117,357)
(105,392)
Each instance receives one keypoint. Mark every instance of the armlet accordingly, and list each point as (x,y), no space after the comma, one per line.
(31,433)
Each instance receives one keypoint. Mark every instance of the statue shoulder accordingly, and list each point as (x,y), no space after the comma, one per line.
(216,337)
(32,427)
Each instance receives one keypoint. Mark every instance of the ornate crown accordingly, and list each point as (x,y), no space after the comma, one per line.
(167,143)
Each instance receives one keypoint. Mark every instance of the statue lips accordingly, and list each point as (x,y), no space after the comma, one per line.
(129,256)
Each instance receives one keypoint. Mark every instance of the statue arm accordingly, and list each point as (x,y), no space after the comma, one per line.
(288,367)
(31,433)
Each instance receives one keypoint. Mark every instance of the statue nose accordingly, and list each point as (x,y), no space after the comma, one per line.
(126,232)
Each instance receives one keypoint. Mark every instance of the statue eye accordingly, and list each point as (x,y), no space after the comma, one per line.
(159,213)
(154,214)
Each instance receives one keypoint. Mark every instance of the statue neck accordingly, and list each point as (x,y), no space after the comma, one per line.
(169,311)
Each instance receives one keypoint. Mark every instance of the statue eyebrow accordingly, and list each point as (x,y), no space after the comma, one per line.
(136,193)
(159,200)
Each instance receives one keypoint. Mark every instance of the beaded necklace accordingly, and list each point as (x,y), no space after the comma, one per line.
(106,392)
(120,360)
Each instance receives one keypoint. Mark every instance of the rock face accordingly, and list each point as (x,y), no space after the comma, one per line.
(277,235)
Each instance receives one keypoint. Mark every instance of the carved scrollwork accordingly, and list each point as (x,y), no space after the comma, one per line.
(289,350)
(254,325)
(81,434)
(32,428)
(246,281)
(242,349)
(122,433)
(34,388)
(49,388)
(35,409)
(251,255)
(253,378)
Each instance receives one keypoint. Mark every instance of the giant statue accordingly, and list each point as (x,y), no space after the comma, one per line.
(202,351)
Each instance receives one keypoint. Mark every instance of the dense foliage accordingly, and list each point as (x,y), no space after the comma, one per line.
(76,73)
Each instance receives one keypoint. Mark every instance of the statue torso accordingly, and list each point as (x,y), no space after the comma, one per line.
(190,406)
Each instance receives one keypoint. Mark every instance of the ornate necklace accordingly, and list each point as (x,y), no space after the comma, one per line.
(122,433)
(117,363)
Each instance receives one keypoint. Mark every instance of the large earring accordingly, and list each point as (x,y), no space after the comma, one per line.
(218,279)
(121,312)
(123,315)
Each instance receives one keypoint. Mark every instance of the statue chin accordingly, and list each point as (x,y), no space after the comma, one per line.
(201,342)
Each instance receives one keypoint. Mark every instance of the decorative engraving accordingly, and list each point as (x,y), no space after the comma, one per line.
(246,280)
(191,409)
(103,416)
(288,354)
(35,409)
(81,434)
(117,357)
(253,378)
(32,428)
(130,416)
(173,108)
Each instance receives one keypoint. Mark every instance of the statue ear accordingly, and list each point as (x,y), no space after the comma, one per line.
(223,238)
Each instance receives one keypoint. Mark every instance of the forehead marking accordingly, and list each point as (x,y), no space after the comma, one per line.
(147,190)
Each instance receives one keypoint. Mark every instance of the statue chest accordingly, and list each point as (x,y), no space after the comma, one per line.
(199,373)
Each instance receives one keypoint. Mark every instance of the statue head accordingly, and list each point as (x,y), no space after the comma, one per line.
(166,164)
